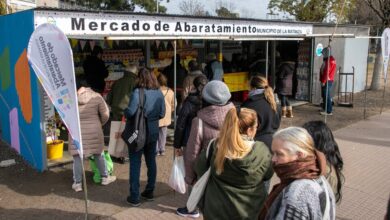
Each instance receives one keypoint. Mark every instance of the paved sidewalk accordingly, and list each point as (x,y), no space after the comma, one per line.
(365,147)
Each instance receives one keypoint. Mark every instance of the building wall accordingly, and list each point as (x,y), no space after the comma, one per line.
(20,108)
(348,52)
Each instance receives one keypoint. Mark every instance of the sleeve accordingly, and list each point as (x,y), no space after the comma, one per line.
(172,101)
(162,106)
(266,163)
(133,104)
(104,111)
(109,95)
(181,123)
(103,69)
(192,151)
(277,117)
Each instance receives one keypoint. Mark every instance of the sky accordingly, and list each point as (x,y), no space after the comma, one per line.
(246,8)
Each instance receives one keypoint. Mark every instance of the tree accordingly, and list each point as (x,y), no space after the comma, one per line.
(192,7)
(3,7)
(311,10)
(225,9)
(118,5)
(382,9)
(122,5)
(150,5)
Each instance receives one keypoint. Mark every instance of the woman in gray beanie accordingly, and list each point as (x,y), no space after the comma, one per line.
(205,126)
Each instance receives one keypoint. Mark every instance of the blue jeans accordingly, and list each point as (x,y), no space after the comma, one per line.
(327,99)
(283,100)
(149,152)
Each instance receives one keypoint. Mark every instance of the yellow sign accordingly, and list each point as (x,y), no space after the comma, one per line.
(237,81)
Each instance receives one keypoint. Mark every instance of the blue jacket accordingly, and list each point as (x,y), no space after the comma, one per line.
(154,110)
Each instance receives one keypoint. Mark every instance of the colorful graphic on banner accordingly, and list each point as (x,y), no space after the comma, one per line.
(385,51)
(23,86)
(51,57)
(14,124)
(20,101)
(5,71)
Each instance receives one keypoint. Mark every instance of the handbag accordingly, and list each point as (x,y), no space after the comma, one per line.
(96,173)
(200,185)
(117,147)
(134,133)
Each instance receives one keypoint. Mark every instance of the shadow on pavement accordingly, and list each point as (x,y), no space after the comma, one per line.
(43,214)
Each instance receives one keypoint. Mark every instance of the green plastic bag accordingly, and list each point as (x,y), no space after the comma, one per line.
(96,174)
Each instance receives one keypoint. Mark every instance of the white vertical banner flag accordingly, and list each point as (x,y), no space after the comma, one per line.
(50,55)
(385,50)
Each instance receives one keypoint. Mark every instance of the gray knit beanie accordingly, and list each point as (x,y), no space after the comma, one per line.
(216,93)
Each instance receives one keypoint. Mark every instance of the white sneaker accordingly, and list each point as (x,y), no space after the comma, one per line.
(107,180)
(78,187)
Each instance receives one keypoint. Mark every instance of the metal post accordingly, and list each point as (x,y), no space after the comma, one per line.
(174,84)
(157,1)
(266,59)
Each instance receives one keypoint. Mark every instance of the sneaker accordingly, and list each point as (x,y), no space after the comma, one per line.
(147,195)
(107,180)
(325,113)
(77,187)
(162,153)
(184,212)
(132,203)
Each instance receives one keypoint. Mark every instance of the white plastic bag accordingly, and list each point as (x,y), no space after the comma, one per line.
(176,180)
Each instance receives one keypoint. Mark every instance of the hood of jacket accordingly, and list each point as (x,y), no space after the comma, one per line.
(85,95)
(249,168)
(194,98)
(214,115)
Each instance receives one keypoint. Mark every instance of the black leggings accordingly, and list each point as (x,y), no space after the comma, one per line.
(283,100)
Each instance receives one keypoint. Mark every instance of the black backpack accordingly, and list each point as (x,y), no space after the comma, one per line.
(134,133)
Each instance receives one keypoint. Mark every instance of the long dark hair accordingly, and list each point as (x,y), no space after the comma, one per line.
(147,79)
(325,142)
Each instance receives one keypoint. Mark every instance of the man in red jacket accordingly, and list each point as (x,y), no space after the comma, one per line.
(327,72)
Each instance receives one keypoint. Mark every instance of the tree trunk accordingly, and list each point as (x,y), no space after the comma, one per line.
(376,75)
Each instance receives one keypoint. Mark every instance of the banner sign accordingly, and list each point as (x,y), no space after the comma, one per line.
(50,55)
(78,24)
(385,50)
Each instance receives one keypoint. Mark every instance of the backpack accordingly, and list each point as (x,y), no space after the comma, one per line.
(134,134)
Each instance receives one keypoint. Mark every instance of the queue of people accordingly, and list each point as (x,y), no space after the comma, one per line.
(243,145)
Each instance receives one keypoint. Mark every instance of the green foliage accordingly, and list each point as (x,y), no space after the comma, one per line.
(312,10)
(224,12)
(119,5)
(3,7)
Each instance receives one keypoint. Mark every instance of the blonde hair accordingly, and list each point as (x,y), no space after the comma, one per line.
(229,143)
(296,140)
(259,82)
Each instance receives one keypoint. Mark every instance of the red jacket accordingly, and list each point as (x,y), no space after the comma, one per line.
(324,70)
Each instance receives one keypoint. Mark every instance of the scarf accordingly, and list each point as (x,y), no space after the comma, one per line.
(310,167)
(256,92)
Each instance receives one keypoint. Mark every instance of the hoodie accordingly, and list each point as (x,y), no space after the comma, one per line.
(212,118)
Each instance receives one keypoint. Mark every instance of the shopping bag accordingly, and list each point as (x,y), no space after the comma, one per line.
(198,191)
(117,147)
(96,173)
(176,180)
(200,185)
(134,134)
